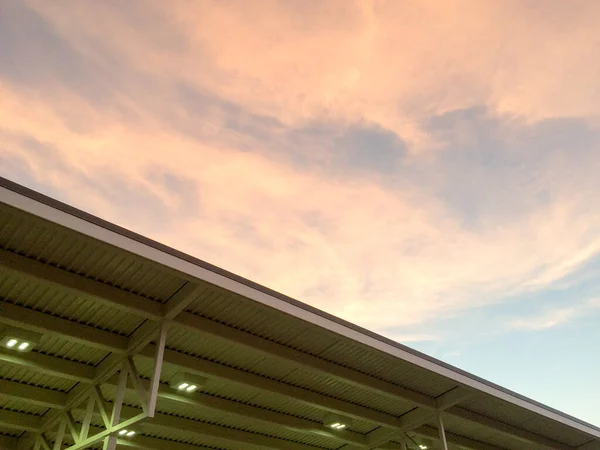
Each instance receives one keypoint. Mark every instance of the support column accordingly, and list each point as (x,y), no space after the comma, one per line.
(440,423)
(58,442)
(158,361)
(110,441)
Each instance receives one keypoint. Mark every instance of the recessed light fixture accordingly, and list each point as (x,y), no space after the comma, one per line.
(126,433)
(187,382)
(336,421)
(18,339)
(17,344)
(423,447)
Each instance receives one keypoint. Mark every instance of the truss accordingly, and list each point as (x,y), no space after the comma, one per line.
(113,422)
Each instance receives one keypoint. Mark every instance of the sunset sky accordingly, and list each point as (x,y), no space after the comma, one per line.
(429,170)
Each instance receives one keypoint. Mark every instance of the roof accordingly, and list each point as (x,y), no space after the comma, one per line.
(104,302)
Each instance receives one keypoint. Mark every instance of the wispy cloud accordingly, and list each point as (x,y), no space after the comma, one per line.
(386,62)
(556,317)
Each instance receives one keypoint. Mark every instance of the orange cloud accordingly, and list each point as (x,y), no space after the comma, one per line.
(379,257)
(388,62)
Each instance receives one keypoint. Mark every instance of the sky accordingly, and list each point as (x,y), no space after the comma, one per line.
(424,169)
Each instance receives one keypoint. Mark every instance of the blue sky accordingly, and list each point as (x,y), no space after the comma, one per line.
(426,170)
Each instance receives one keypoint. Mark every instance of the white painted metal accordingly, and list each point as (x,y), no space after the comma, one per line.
(89,410)
(42,443)
(142,394)
(73,429)
(99,403)
(442,432)
(58,442)
(158,361)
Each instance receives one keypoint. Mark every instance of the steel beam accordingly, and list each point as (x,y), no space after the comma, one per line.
(82,286)
(49,365)
(32,394)
(442,432)
(29,319)
(19,421)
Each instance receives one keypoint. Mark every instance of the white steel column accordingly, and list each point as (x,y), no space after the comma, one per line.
(110,441)
(62,428)
(87,419)
(440,423)
(158,361)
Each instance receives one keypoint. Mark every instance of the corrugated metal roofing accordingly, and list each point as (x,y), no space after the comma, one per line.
(6,431)
(18,373)
(273,375)
(21,406)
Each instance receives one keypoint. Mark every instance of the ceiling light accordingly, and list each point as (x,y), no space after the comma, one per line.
(187,382)
(336,422)
(18,339)
(15,343)
(126,433)
(422,443)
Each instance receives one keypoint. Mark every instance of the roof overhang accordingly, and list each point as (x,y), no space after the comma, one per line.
(121,316)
